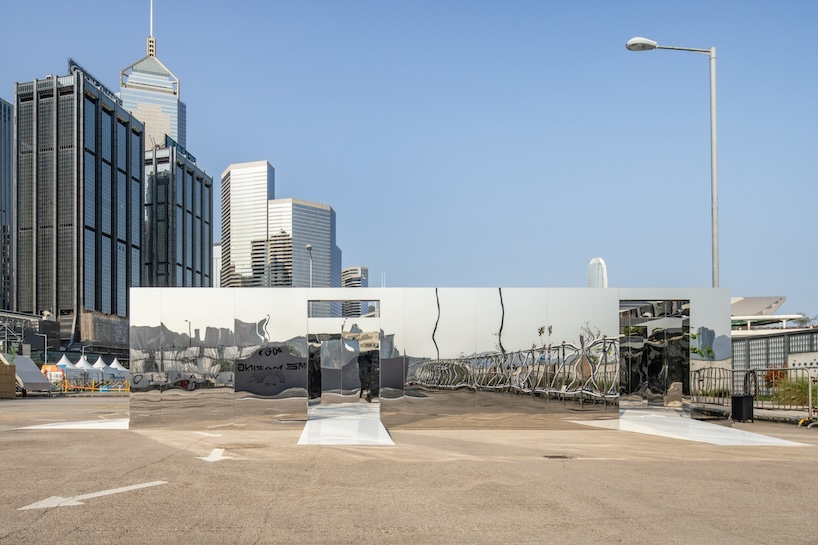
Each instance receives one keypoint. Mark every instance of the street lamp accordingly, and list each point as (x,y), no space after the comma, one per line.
(189,338)
(45,347)
(309,251)
(644,44)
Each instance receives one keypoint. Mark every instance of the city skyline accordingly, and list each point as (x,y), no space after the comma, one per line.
(447,134)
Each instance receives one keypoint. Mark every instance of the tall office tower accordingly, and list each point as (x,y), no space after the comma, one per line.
(177,245)
(293,226)
(246,189)
(355,277)
(6,203)
(151,93)
(301,249)
(79,169)
(597,273)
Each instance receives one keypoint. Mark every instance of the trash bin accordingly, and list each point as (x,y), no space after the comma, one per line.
(742,408)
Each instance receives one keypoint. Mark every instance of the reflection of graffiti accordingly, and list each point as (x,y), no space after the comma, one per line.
(260,377)
(589,372)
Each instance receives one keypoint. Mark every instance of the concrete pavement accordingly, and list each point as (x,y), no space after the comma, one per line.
(589,485)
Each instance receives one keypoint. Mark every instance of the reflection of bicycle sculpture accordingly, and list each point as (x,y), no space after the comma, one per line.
(589,372)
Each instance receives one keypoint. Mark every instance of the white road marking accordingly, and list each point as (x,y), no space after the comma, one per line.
(108,424)
(57,501)
(208,434)
(215,455)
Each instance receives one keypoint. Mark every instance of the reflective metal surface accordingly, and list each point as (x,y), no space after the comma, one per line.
(445,357)
(655,349)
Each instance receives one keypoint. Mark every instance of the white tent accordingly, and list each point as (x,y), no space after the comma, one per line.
(65,363)
(107,371)
(83,363)
(123,371)
(93,373)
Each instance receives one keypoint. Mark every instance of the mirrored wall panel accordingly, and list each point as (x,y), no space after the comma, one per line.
(424,357)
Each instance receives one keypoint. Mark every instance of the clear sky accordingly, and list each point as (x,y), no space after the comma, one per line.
(475,143)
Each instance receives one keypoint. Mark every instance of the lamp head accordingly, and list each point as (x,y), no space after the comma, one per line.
(641,44)
(309,247)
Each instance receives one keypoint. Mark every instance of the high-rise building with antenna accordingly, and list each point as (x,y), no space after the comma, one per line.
(151,93)
(178,249)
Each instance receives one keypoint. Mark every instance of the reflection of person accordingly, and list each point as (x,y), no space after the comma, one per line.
(314,373)
(368,373)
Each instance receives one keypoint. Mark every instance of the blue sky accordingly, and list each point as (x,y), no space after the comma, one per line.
(473,143)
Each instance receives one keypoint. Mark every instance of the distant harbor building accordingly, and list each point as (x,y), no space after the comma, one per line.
(355,277)
(597,273)
(79,157)
(152,93)
(178,220)
(6,202)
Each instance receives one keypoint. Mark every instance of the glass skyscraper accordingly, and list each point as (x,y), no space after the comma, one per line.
(79,205)
(151,92)
(178,240)
(6,202)
(294,224)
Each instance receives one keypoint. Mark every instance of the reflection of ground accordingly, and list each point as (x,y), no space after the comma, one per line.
(215,408)
(667,423)
(417,409)
(467,409)
(344,424)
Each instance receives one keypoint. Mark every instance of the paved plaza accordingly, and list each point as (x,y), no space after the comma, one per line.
(72,473)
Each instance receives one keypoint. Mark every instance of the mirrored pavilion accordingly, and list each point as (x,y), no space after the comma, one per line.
(430,357)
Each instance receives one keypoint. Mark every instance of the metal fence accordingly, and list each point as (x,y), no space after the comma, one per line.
(771,387)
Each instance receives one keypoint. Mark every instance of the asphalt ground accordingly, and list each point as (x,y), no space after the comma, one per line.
(570,485)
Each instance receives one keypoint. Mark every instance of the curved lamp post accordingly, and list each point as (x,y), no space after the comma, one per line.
(644,44)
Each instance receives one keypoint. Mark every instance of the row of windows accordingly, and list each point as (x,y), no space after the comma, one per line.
(107,291)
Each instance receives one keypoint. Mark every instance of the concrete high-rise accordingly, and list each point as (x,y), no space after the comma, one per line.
(79,175)
(6,202)
(152,93)
(597,273)
(178,249)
